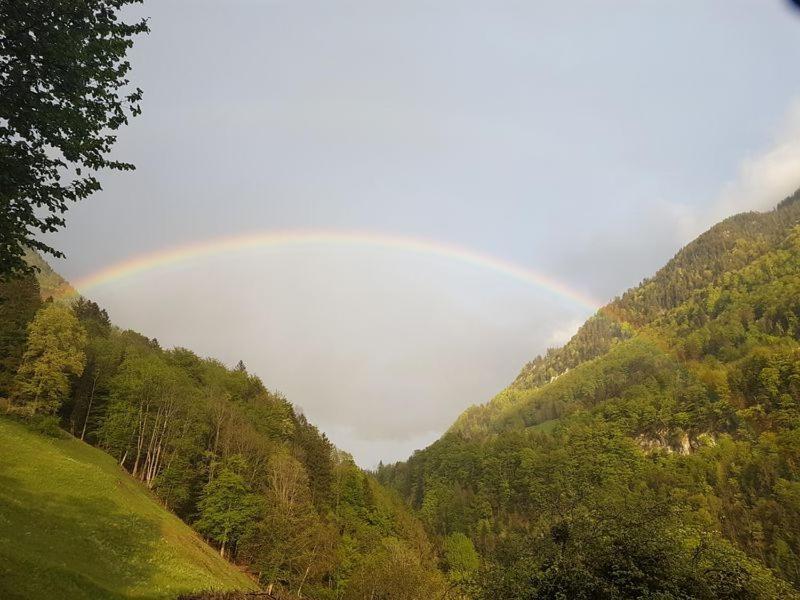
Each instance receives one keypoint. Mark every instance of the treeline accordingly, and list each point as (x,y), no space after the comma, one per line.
(227,455)
(728,246)
(666,466)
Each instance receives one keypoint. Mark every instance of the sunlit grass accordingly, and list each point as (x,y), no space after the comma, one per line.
(74,525)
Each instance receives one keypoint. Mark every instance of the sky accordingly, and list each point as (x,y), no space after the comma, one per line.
(583,142)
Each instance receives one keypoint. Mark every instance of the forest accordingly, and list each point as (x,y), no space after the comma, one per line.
(231,458)
(656,454)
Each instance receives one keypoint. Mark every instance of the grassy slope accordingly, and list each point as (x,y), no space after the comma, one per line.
(74,525)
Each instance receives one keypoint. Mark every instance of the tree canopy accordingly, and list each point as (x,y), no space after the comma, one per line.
(64,93)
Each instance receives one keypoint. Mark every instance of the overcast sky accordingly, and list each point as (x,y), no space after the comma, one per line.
(585,140)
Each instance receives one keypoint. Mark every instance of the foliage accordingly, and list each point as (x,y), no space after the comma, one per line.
(459,556)
(19,301)
(54,351)
(226,506)
(64,92)
(394,573)
(657,454)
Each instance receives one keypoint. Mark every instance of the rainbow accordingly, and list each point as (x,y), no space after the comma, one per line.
(282,239)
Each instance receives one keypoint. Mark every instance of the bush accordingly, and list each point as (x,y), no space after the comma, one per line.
(47,425)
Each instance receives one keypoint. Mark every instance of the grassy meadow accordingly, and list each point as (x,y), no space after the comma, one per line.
(75,525)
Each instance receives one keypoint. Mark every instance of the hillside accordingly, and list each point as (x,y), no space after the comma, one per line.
(657,454)
(51,284)
(227,456)
(74,525)
(726,247)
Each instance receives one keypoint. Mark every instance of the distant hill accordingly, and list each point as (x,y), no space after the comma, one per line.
(656,454)
(73,524)
(51,284)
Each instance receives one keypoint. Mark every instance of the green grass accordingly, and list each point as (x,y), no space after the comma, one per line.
(74,525)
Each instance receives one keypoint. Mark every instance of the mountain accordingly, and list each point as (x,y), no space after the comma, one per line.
(177,437)
(51,284)
(656,454)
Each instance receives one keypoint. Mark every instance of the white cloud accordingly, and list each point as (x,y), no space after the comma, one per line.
(761,181)
(764,180)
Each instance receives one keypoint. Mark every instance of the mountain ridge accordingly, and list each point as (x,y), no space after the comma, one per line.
(617,320)
(659,445)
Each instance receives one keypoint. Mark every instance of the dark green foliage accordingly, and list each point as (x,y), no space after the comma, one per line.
(19,301)
(64,93)
(657,454)
(315,453)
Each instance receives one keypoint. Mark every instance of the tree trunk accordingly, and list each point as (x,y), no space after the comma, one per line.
(89,409)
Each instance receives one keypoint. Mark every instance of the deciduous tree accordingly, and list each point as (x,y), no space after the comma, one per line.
(64,92)
(54,351)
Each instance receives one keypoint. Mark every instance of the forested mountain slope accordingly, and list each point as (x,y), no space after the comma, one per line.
(657,454)
(214,445)
(729,245)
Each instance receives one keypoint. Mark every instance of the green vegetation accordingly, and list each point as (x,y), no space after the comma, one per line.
(50,283)
(74,525)
(656,455)
(216,447)
(53,353)
(64,94)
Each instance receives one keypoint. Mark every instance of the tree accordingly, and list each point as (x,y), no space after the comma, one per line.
(290,543)
(394,572)
(64,92)
(460,556)
(226,506)
(19,301)
(54,351)
(150,411)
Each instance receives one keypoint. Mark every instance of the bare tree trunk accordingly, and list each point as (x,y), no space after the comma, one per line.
(140,438)
(89,409)
(150,448)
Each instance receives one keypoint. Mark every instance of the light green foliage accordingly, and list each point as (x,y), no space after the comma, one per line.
(460,557)
(227,507)
(54,351)
(394,572)
(289,541)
